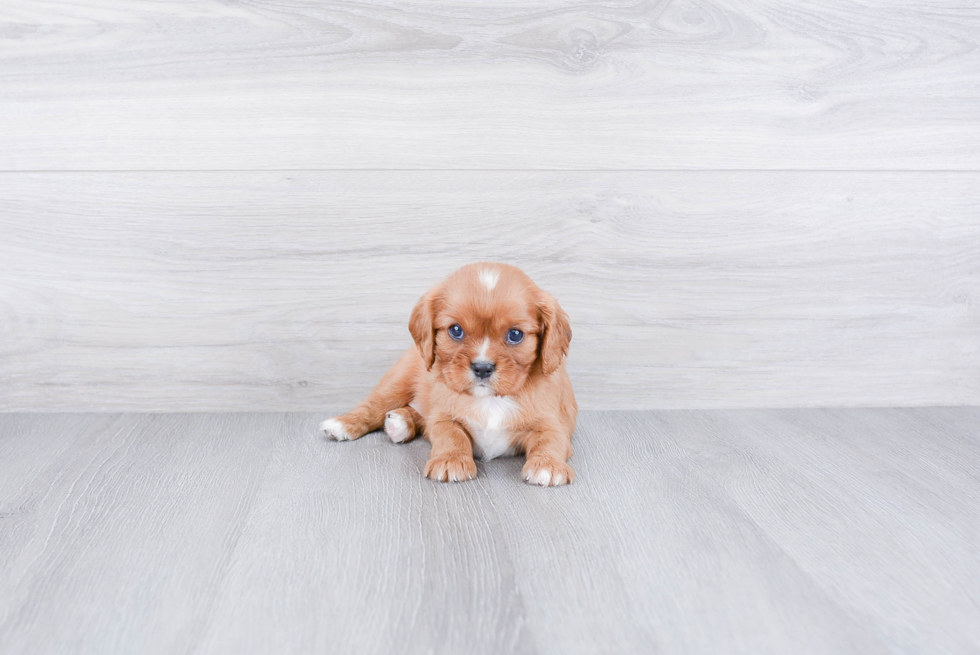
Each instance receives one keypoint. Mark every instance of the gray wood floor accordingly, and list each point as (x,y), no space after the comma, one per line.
(750,531)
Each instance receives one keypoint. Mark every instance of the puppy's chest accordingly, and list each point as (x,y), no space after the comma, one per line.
(491,425)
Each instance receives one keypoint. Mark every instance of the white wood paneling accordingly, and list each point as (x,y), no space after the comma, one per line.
(264,290)
(205,207)
(103,85)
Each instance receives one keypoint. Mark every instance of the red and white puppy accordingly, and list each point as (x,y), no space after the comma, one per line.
(487,378)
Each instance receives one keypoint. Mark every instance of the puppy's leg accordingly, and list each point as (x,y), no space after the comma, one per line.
(393,391)
(451,459)
(547,451)
(403,424)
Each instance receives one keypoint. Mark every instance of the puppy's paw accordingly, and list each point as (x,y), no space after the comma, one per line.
(451,467)
(336,429)
(397,428)
(547,472)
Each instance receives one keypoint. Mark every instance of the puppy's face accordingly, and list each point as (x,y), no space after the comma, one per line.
(487,328)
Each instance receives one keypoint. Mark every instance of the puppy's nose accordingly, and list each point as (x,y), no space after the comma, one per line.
(482,370)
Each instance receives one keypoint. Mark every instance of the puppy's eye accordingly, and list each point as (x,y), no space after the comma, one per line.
(455,331)
(515,336)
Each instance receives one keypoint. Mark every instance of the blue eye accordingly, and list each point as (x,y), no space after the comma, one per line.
(455,331)
(515,336)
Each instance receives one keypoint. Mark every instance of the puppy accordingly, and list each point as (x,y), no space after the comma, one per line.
(487,378)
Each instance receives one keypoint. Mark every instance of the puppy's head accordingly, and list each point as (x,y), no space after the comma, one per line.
(487,328)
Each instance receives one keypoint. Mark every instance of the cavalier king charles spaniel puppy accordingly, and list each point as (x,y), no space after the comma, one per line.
(487,378)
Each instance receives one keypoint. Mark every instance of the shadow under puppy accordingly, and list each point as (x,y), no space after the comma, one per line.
(487,378)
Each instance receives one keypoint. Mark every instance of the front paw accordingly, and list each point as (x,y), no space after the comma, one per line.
(336,429)
(547,472)
(451,467)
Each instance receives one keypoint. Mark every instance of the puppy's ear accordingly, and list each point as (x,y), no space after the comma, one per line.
(556,333)
(420,325)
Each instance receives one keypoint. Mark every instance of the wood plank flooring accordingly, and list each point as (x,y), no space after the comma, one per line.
(762,531)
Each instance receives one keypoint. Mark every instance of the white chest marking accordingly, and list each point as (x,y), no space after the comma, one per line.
(490,427)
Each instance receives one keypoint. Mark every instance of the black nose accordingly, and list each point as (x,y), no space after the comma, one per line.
(482,370)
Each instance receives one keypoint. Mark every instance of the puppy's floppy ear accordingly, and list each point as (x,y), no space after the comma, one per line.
(420,325)
(556,333)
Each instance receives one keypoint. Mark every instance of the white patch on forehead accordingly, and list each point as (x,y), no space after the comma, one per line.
(489,426)
(489,278)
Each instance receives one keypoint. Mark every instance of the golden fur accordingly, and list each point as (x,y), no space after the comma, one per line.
(526,406)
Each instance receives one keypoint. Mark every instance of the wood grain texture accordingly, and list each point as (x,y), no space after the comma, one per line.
(121,539)
(240,291)
(631,541)
(763,531)
(417,568)
(547,85)
(877,507)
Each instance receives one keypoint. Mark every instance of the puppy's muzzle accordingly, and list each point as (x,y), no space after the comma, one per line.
(482,370)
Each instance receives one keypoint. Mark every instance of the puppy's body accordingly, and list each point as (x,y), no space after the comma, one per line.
(471,387)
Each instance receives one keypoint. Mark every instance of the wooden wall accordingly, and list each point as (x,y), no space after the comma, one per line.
(209,206)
